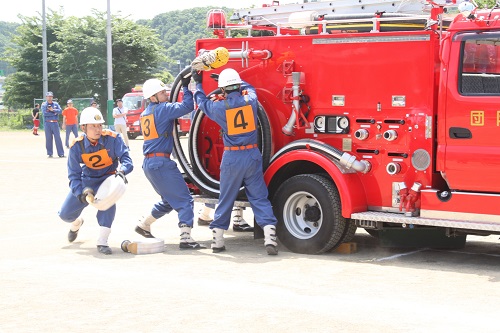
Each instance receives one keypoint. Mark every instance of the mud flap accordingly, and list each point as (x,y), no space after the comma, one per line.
(420,237)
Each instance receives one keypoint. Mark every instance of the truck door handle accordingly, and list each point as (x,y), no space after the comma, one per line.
(460,133)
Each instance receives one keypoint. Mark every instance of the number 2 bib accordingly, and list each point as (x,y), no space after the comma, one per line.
(98,160)
(240,120)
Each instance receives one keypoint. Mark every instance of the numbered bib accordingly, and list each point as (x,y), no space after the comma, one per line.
(148,127)
(98,160)
(240,120)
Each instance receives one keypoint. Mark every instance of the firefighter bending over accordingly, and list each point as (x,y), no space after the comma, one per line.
(157,122)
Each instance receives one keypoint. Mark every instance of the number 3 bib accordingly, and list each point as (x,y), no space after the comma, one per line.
(148,127)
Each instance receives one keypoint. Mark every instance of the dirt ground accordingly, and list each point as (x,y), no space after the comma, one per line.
(50,285)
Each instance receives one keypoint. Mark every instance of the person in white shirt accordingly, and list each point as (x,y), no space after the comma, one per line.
(120,115)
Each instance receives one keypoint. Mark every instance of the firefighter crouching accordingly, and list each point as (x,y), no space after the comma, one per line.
(242,161)
(94,156)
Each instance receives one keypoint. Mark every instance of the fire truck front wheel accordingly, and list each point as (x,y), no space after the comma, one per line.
(132,136)
(309,214)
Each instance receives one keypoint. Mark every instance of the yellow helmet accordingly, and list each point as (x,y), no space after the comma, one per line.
(208,60)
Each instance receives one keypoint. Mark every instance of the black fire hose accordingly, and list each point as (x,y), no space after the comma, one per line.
(193,167)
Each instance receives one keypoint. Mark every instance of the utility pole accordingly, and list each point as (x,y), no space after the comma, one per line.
(109,114)
(45,71)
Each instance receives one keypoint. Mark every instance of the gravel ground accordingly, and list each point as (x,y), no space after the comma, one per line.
(50,285)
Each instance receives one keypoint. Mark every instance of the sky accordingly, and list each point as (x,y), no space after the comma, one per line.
(137,9)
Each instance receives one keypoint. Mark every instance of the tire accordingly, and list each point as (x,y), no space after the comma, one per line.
(317,197)
(132,136)
(350,231)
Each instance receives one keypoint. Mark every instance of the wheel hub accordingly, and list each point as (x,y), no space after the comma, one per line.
(302,215)
(312,214)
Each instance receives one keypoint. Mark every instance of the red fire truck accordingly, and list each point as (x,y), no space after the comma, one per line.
(135,103)
(383,121)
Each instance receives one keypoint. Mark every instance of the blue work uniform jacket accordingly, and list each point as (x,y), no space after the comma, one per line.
(116,150)
(164,119)
(51,115)
(216,110)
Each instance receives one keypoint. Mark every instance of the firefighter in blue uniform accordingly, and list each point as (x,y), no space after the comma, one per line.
(242,161)
(51,111)
(93,157)
(157,123)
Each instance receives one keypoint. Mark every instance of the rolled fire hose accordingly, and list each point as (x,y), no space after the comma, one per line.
(108,193)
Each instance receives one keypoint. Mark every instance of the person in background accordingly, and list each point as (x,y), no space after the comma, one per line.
(120,115)
(157,123)
(93,157)
(51,111)
(36,118)
(70,121)
(241,161)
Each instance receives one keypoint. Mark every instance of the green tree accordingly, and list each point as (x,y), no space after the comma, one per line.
(77,61)
(179,31)
(7,30)
(486,3)
(165,77)
(26,83)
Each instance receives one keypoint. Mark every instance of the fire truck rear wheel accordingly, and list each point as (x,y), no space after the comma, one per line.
(350,231)
(309,214)
(132,136)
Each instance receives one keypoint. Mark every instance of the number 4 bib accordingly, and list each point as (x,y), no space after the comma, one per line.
(240,120)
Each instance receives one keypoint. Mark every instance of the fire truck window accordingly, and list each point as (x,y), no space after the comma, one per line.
(480,67)
(132,103)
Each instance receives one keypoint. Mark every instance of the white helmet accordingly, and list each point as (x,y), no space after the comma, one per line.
(229,77)
(152,86)
(91,115)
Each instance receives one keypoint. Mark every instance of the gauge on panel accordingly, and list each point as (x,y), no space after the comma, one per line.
(343,122)
(319,124)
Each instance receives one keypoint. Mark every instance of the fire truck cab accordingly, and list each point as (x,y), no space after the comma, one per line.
(135,102)
(384,121)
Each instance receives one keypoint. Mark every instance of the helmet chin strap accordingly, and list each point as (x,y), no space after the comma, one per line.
(156,98)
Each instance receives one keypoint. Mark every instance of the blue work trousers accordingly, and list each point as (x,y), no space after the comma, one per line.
(71,129)
(52,133)
(242,168)
(168,182)
(72,207)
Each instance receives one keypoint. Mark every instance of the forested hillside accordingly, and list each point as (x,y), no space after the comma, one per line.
(160,47)
(6,31)
(178,31)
